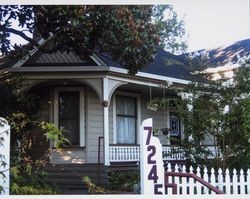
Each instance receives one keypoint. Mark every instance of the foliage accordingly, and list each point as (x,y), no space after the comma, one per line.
(124,181)
(221,110)
(218,112)
(30,179)
(92,188)
(54,134)
(20,109)
(3,162)
(129,33)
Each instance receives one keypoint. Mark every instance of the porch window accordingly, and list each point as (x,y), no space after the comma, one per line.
(126,120)
(69,118)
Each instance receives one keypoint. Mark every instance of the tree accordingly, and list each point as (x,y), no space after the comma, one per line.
(130,34)
(27,174)
(221,109)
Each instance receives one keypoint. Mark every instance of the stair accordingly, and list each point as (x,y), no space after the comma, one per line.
(68,178)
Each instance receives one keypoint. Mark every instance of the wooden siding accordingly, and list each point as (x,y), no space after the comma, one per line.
(94,111)
(159,119)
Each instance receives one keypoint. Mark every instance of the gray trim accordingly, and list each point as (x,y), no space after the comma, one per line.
(60,69)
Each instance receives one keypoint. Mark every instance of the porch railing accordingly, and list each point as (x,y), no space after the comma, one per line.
(127,153)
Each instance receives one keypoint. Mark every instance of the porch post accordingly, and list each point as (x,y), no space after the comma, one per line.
(106,120)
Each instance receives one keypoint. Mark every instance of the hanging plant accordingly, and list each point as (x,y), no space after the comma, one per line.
(161,104)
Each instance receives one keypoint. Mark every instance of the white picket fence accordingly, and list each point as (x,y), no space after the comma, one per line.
(234,183)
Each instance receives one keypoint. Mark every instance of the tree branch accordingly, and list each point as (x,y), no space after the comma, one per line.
(21,34)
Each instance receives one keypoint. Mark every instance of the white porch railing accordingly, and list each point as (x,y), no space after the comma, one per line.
(132,153)
(124,153)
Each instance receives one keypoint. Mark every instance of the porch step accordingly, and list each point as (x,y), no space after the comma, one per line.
(68,178)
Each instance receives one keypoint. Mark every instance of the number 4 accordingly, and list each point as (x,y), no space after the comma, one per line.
(153,174)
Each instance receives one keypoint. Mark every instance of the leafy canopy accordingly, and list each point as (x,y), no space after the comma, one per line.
(130,34)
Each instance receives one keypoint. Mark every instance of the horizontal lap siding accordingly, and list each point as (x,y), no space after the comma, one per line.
(94,126)
(159,119)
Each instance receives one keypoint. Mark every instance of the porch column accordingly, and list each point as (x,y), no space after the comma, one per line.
(106,120)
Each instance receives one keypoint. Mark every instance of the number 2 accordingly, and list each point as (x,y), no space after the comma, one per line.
(153,149)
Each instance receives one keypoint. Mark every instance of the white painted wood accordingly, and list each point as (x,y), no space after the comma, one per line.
(235,191)
(212,178)
(148,186)
(106,121)
(114,120)
(205,177)
(248,181)
(5,153)
(169,153)
(184,182)
(242,182)
(191,182)
(220,179)
(227,182)
(198,185)
(147,75)
(169,190)
(176,179)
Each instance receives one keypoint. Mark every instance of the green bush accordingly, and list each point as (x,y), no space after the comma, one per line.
(124,180)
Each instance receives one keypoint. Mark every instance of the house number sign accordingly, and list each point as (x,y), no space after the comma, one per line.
(152,170)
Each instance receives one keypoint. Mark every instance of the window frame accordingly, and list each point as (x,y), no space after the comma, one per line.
(81,111)
(137,97)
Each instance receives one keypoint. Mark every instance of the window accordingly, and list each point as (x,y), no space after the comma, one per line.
(68,117)
(175,127)
(126,120)
(69,113)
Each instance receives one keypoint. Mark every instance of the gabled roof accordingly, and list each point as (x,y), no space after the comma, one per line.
(165,64)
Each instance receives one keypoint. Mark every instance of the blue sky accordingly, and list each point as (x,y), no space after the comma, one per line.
(211,23)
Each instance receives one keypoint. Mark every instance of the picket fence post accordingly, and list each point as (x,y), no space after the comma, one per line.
(227,182)
(198,185)
(248,181)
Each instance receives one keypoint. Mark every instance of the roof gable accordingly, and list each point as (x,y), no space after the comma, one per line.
(58,59)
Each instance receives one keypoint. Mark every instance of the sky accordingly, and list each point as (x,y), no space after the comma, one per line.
(211,23)
(208,23)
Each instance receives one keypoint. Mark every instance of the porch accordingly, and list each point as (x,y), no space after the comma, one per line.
(128,153)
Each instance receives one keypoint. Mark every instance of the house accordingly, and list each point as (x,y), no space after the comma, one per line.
(100,106)
(95,98)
